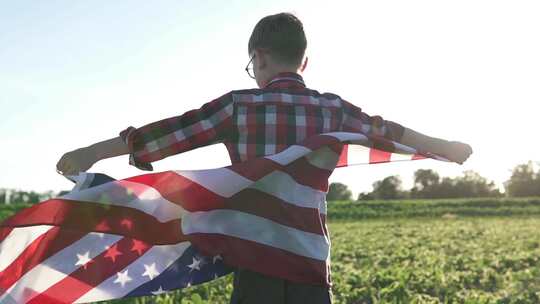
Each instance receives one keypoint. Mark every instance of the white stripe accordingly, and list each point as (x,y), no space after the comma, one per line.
(288,155)
(132,195)
(323,208)
(357,154)
(284,187)
(82,180)
(17,240)
(261,230)
(160,255)
(226,183)
(399,156)
(222,181)
(58,266)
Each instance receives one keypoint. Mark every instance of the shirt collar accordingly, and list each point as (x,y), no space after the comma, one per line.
(286,80)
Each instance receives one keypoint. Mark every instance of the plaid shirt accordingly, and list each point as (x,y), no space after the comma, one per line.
(254,122)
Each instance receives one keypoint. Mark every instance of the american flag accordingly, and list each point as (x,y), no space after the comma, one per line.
(157,232)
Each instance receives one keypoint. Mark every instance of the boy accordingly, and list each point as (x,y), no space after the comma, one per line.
(257,122)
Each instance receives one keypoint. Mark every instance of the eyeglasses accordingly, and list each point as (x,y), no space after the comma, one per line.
(249,69)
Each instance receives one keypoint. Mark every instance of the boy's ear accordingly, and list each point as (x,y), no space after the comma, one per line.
(261,58)
(304,65)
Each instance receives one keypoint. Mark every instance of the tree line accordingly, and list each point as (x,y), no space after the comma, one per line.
(523,182)
(19,196)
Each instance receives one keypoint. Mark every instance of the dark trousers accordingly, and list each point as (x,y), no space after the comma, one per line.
(251,287)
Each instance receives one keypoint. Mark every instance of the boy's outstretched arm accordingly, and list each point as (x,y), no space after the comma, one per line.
(154,141)
(82,159)
(356,120)
(453,150)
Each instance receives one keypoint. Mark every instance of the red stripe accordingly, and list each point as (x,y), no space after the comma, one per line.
(194,197)
(418,156)
(301,170)
(36,252)
(98,270)
(88,216)
(343,157)
(258,203)
(179,190)
(262,258)
(121,220)
(4,232)
(378,156)
(304,173)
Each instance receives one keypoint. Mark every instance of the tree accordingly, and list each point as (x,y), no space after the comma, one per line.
(365,196)
(338,192)
(471,184)
(524,181)
(33,197)
(46,195)
(27,197)
(388,188)
(425,185)
(446,188)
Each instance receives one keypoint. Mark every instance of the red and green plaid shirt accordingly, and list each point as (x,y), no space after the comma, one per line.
(254,122)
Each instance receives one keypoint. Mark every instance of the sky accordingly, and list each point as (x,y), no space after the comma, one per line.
(73,73)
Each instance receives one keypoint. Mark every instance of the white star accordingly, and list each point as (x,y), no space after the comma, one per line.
(82,259)
(195,265)
(217,257)
(159,291)
(150,271)
(122,278)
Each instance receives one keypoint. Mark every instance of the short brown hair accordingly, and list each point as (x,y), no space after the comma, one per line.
(283,34)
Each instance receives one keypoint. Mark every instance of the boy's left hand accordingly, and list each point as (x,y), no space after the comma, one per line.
(458,152)
(75,161)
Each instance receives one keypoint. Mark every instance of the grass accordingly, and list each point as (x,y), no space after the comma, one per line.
(417,251)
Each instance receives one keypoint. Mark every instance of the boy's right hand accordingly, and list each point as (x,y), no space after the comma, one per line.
(458,152)
(76,161)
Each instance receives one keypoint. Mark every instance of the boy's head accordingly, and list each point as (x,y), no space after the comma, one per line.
(277,44)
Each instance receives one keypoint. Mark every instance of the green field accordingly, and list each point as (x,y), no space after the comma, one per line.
(432,251)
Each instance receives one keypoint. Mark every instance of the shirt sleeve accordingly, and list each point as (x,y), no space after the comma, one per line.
(355,120)
(207,125)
